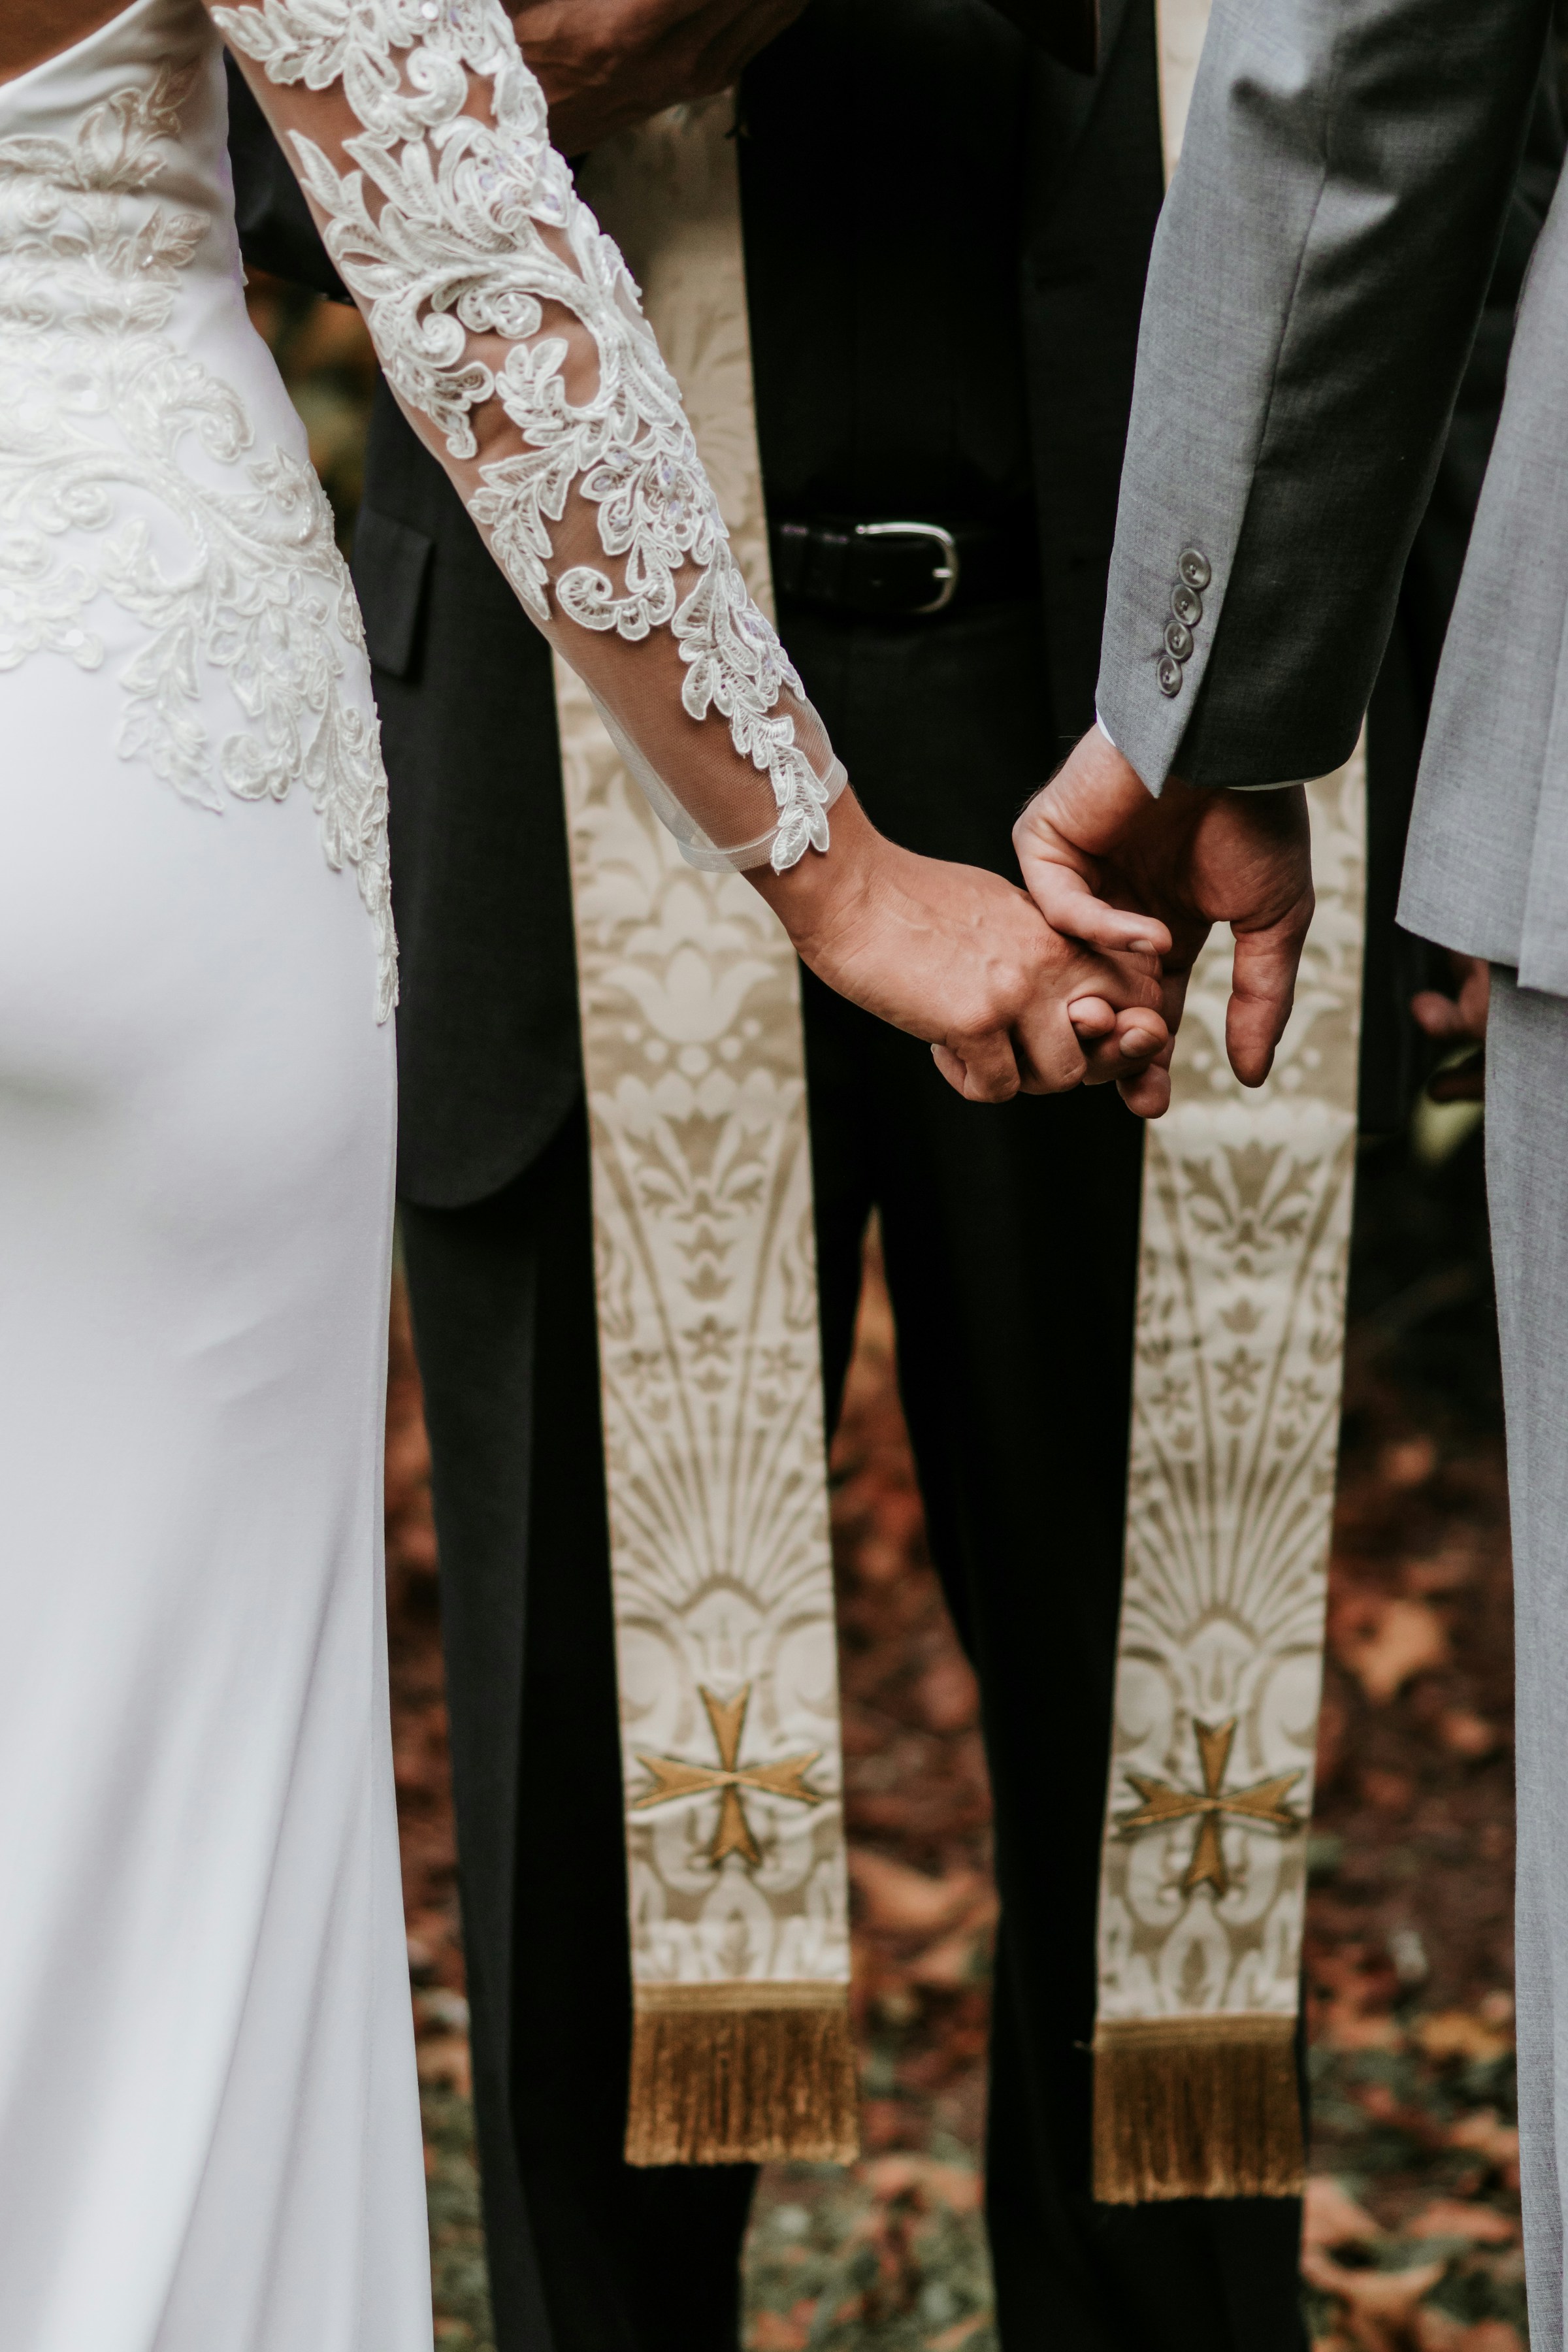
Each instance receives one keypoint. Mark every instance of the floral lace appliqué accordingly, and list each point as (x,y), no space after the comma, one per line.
(455,226)
(96,401)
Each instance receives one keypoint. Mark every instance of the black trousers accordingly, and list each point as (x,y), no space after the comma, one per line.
(1010,1235)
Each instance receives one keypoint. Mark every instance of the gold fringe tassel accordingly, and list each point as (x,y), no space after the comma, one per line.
(741,2073)
(1196,2106)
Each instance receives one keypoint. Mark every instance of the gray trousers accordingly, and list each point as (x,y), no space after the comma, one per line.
(1527,1178)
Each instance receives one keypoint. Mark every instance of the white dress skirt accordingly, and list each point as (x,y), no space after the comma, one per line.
(209,2136)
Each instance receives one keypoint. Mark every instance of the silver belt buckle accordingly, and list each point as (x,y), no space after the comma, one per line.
(945,572)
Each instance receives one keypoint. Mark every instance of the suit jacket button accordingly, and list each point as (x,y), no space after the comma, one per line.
(1187,605)
(1179,640)
(1170,674)
(1194,567)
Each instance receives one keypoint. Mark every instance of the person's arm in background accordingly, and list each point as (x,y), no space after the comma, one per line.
(1317,276)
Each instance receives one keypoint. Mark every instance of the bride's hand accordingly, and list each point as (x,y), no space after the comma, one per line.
(960,958)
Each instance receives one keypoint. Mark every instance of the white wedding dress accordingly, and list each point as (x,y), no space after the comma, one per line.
(209,2130)
(209,2136)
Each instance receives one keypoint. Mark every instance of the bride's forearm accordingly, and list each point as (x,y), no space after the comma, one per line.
(508,327)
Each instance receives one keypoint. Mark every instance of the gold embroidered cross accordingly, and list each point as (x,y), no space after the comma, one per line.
(733,1833)
(1263,1802)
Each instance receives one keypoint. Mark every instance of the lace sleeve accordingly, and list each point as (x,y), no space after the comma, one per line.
(510,328)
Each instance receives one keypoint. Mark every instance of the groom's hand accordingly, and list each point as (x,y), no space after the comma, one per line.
(605,65)
(1109,864)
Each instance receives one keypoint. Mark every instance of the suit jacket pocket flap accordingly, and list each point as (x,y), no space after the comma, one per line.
(390,562)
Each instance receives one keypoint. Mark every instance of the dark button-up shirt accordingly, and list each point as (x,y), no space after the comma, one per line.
(882,161)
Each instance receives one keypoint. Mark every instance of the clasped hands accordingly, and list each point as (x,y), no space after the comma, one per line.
(1079,978)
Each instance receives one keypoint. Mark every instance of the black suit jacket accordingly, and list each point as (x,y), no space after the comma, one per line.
(488,1054)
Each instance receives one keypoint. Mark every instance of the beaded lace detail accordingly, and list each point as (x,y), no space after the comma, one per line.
(460,222)
(96,401)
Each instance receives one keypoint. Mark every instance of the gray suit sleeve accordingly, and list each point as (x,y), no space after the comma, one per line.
(1316,279)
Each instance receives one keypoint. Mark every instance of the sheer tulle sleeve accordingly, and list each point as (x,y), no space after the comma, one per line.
(509,329)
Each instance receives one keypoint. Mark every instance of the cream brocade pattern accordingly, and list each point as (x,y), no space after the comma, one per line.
(98,407)
(1246,1211)
(458,224)
(704,1233)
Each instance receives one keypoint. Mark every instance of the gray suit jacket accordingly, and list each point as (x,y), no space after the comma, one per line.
(1487,867)
(1316,280)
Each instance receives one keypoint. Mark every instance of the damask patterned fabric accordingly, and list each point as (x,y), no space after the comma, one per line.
(704,1242)
(1244,1252)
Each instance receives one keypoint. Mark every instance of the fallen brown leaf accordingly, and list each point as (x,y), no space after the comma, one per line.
(1409,1461)
(904,1902)
(1347,2028)
(1391,1793)
(948,1696)
(957,1960)
(954,2186)
(1484,2132)
(444,2058)
(1385,1642)
(1332,2217)
(1465,1733)
(773,2331)
(1437,2331)
(1450,2217)
(1379,2305)
(1459,2033)
(962,2332)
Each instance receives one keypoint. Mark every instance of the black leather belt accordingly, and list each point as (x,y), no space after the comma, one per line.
(899,570)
